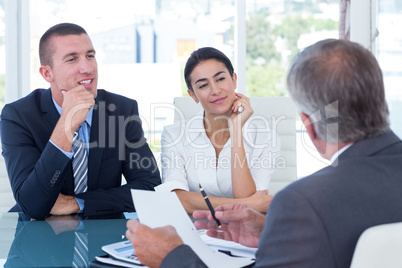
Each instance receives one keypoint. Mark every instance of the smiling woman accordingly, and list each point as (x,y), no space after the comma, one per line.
(213,151)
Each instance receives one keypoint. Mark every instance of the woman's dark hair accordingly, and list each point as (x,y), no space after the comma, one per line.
(204,54)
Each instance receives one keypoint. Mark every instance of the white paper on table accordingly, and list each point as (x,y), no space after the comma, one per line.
(112,261)
(235,249)
(157,209)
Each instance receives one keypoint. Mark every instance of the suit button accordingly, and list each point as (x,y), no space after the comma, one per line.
(53,180)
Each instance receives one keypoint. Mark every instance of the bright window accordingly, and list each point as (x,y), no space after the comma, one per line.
(390,57)
(2,54)
(276,31)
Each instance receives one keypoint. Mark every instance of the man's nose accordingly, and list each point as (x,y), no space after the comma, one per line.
(86,66)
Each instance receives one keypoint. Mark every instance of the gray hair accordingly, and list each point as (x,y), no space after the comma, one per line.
(339,85)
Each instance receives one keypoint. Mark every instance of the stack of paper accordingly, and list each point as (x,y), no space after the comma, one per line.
(157,209)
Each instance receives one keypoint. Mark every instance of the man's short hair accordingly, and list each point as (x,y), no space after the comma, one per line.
(46,49)
(339,85)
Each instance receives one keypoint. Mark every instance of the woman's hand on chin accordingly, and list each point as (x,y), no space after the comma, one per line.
(241,111)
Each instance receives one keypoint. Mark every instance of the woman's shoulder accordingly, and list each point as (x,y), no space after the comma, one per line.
(173,127)
(196,122)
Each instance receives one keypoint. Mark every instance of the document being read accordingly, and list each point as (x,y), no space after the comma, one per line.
(157,209)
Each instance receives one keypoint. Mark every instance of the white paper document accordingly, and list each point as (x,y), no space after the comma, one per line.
(119,263)
(157,209)
(235,249)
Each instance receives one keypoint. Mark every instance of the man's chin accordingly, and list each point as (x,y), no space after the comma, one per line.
(93,91)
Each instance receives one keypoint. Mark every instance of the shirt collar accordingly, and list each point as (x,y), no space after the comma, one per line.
(88,119)
(195,127)
(335,156)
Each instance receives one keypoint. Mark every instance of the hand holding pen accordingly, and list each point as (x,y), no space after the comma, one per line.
(211,209)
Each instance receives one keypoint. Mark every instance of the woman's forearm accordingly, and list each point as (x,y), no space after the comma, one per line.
(192,201)
(243,184)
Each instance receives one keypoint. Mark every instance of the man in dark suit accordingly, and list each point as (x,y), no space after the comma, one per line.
(316,221)
(37,135)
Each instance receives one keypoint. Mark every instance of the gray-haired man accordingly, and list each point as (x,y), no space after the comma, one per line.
(338,89)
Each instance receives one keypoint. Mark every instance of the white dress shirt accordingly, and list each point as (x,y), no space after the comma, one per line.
(188,158)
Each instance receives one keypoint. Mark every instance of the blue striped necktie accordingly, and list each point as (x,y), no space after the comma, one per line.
(80,257)
(80,164)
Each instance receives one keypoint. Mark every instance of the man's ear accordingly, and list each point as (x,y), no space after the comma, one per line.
(46,73)
(309,126)
(319,144)
(192,95)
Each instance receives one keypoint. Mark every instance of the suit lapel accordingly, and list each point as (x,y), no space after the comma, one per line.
(49,113)
(97,142)
(50,118)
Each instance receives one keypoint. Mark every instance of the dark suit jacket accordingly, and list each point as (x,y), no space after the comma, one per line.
(316,221)
(38,171)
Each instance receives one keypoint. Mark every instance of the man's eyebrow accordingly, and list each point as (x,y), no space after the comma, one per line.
(76,53)
(203,79)
(69,55)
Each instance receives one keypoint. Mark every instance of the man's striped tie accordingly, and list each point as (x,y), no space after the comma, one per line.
(80,164)
(80,258)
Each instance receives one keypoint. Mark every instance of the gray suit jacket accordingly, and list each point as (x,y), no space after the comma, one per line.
(316,221)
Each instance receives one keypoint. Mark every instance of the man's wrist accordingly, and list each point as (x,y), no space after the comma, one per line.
(81,204)
(68,154)
(72,205)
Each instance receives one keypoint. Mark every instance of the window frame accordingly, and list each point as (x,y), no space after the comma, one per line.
(17,77)
(18,48)
(362,19)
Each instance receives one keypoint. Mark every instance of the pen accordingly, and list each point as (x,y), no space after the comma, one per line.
(209,206)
